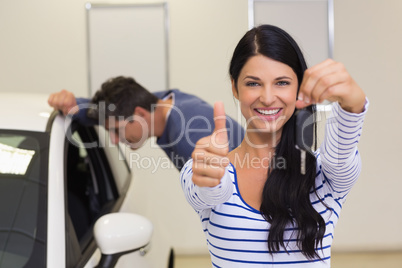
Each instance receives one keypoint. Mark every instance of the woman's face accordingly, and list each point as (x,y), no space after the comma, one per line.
(266,90)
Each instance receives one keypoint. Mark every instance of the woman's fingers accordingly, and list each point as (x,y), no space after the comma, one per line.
(208,171)
(330,86)
(317,75)
(210,158)
(203,181)
(331,81)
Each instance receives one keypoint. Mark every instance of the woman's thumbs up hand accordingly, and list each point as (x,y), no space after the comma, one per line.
(210,153)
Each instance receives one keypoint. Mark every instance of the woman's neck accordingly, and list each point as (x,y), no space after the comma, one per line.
(250,155)
(258,143)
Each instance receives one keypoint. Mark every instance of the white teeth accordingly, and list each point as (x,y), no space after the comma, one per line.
(268,112)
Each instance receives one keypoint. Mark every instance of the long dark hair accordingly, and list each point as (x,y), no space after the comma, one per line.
(286,194)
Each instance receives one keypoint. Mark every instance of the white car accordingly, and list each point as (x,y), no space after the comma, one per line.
(63,188)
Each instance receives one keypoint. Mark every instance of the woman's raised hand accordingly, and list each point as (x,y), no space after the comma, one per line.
(210,153)
(329,80)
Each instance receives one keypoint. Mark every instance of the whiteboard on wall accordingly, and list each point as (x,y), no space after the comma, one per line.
(309,22)
(128,40)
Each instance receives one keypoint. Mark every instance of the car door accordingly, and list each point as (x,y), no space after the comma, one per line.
(90,190)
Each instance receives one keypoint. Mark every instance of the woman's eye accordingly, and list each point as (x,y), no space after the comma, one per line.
(252,84)
(283,83)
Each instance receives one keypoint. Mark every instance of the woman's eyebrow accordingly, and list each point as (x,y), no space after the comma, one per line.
(251,77)
(258,79)
(283,77)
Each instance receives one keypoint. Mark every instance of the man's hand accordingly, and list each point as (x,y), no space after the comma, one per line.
(63,101)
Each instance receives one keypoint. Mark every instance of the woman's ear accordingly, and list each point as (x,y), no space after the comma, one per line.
(234,89)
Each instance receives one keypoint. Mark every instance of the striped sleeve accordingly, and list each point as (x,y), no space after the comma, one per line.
(340,159)
(201,198)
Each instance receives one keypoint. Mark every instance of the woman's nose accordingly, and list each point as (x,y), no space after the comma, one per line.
(267,96)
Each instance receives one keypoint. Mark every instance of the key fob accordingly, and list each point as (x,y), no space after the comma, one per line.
(304,130)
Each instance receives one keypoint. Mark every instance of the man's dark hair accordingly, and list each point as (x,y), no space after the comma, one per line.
(120,96)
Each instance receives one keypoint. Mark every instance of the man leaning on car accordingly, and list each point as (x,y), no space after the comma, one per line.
(132,114)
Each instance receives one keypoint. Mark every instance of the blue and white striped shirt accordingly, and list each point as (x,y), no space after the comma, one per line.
(237,234)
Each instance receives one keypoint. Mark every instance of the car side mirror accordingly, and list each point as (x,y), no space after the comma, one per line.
(117,234)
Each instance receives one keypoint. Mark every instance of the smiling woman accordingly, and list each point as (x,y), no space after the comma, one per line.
(258,214)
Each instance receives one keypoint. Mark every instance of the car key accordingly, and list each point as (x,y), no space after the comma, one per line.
(304,135)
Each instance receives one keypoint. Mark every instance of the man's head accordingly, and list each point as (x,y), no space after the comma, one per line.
(125,106)
(120,96)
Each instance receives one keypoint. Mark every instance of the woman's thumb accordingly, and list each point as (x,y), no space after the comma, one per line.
(220,131)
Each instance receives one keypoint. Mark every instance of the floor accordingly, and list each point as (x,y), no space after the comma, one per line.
(339,260)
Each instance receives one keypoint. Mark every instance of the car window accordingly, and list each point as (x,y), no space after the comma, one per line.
(90,189)
(117,158)
(23,198)
(81,188)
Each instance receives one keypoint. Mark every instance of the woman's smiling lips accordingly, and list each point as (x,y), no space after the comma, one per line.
(268,114)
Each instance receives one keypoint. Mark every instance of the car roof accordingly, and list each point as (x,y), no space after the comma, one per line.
(24,111)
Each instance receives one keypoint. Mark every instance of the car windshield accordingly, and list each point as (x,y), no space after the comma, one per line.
(23,198)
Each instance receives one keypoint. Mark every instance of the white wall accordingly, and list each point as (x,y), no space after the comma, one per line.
(43,49)
(368,41)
